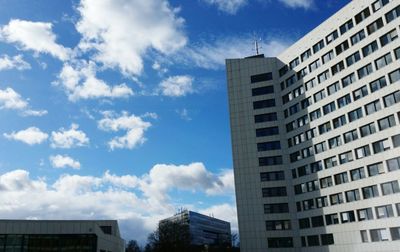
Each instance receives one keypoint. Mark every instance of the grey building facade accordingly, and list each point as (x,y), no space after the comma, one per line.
(60,235)
(316,137)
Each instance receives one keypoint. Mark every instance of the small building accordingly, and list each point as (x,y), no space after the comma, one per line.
(203,229)
(60,235)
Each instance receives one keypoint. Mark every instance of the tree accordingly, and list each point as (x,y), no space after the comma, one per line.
(170,236)
(132,246)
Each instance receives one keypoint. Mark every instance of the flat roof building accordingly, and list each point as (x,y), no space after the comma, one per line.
(316,137)
(60,235)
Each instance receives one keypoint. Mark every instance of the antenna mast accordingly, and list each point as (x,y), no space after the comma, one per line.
(256,46)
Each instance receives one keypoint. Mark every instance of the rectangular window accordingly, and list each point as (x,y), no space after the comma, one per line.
(322,202)
(342,47)
(267,161)
(346,27)
(327,239)
(278,225)
(370,192)
(381,146)
(303,72)
(394,76)
(364,235)
(362,15)
(346,157)
(333,88)
(306,102)
(336,199)
(317,221)
(274,192)
(261,77)
(388,37)
(383,61)
(386,122)
(315,114)
(373,27)
(310,84)
(324,76)
(331,219)
(291,80)
(313,240)
(316,166)
(377,5)
(276,208)
(375,169)
(337,68)
(348,80)
(330,107)
(360,93)
(352,195)
(330,162)
(363,152)
(305,55)
(357,174)
(391,99)
(350,136)
(283,70)
(270,131)
(364,71)
(365,214)
(327,57)
(318,46)
(331,37)
(264,104)
(280,242)
(373,107)
(353,58)
(357,37)
(396,141)
(344,100)
(323,128)
(378,84)
(355,114)
(262,90)
(348,216)
(341,178)
(326,182)
(335,142)
(393,14)
(313,66)
(395,233)
(370,48)
(268,117)
(267,146)
(385,211)
(393,164)
(391,187)
(397,53)
(319,95)
(272,176)
(294,63)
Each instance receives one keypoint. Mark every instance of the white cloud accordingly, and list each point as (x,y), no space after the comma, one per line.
(134,126)
(60,161)
(212,55)
(29,136)
(226,212)
(80,82)
(176,86)
(306,4)
(69,138)
(9,99)
(184,114)
(228,6)
(128,198)
(35,36)
(152,24)
(16,62)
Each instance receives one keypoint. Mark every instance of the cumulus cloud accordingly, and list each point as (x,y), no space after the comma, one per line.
(306,4)
(134,126)
(35,36)
(228,6)
(176,86)
(79,81)
(16,62)
(29,136)
(60,161)
(69,138)
(10,99)
(128,198)
(152,24)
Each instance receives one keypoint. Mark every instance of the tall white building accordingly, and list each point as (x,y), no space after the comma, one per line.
(316,136)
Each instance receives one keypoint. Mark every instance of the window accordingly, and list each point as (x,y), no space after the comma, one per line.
(272,176)
(294,63)
(381,146)
(324,76)
(342,47)
(316,166)
(391,99)
(331,219)
(330,162)
(313,66)
(319,96)
(383,61)
(344,100)
(386,122)
(278,225)
(274,192)
(283,70)
(311,133)
(318,46)
(393,14)
(268,117)
(394,76)
(388,37)
(267,146)
(393,164)
(276,208)
(372,107)
(303,72)
(308,204)
(346,157)
(337,68)
(307,152)
(363,152)
(317,221)
(370,192)
(321,202)
(298,91)
(327,239)
(315,114)
(327,57)
(362,15)
(320,147)
(370,48)
(357,174)
(330,107)
(291,80)
(357,37)
(364,235)
(323,128)
(262,90)
(365,214)
(350,136)
(397,53)
(331,37)
(352,195)
(346,27)
(306,102)
(360,93)
(385,211)
(348,216)
(267,161)
(348,80)
(313,240)
(270,131)
(341,178)
(261,77)
(368,129)
(280,242)
(335,142)
(336,198)
(378,84)
(395,233)
(391,187)
(373,27)
(396,141)
(355,115)
(326,182)
(379,4)
(364,71)
(310,84)
(353,58)
(375,169)
(305,55)
(333,88)
(303,170)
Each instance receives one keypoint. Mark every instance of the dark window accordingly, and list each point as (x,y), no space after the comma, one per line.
(355,114)
(331,37)
(272,176)
(267,161)
(381,146)
(261,77)
(349,79)
(280,242)
(341,178)
(283,71)
(278,225)
(327,57)
(346,157)
(375,169)
(396,141)
(378,84)
(350,136)
(267,131)
(365,214)
(391,99)
(276,208)
(336,198)
(357,37)
(373,107)
(394,76)
(357,174)
(337,68)
(333,88)
(362,15)
(393,14)
(274,192)
(348,216)
(353,59)
(342,47)
(313,240)
(385,211)
(370,192)
(268,117)
(305,55)
(383,61)
(390,187)
(304,223)
(326,182)
(264,104)
(352,195)
(294,63)
(360,93)
(344,100)
(331,219)
(318,46)
(317,221)
(370,48)
(373,27)
(393,165)
(327,239)
(388,37)
(262,90)
(364,71)
(346,26)
(267,146)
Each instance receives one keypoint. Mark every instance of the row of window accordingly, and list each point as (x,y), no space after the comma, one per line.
(380,234)
(314,240)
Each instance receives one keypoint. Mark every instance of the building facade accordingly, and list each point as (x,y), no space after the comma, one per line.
(68,236)
(316,137)
(203,229)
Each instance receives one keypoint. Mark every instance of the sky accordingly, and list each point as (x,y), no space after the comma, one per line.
(118,109)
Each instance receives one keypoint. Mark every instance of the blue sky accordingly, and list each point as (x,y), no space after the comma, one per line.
(118,109)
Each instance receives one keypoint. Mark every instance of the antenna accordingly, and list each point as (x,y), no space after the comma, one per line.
(257,46)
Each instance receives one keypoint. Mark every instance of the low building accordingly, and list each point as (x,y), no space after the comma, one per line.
(204,230)
(60,235)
